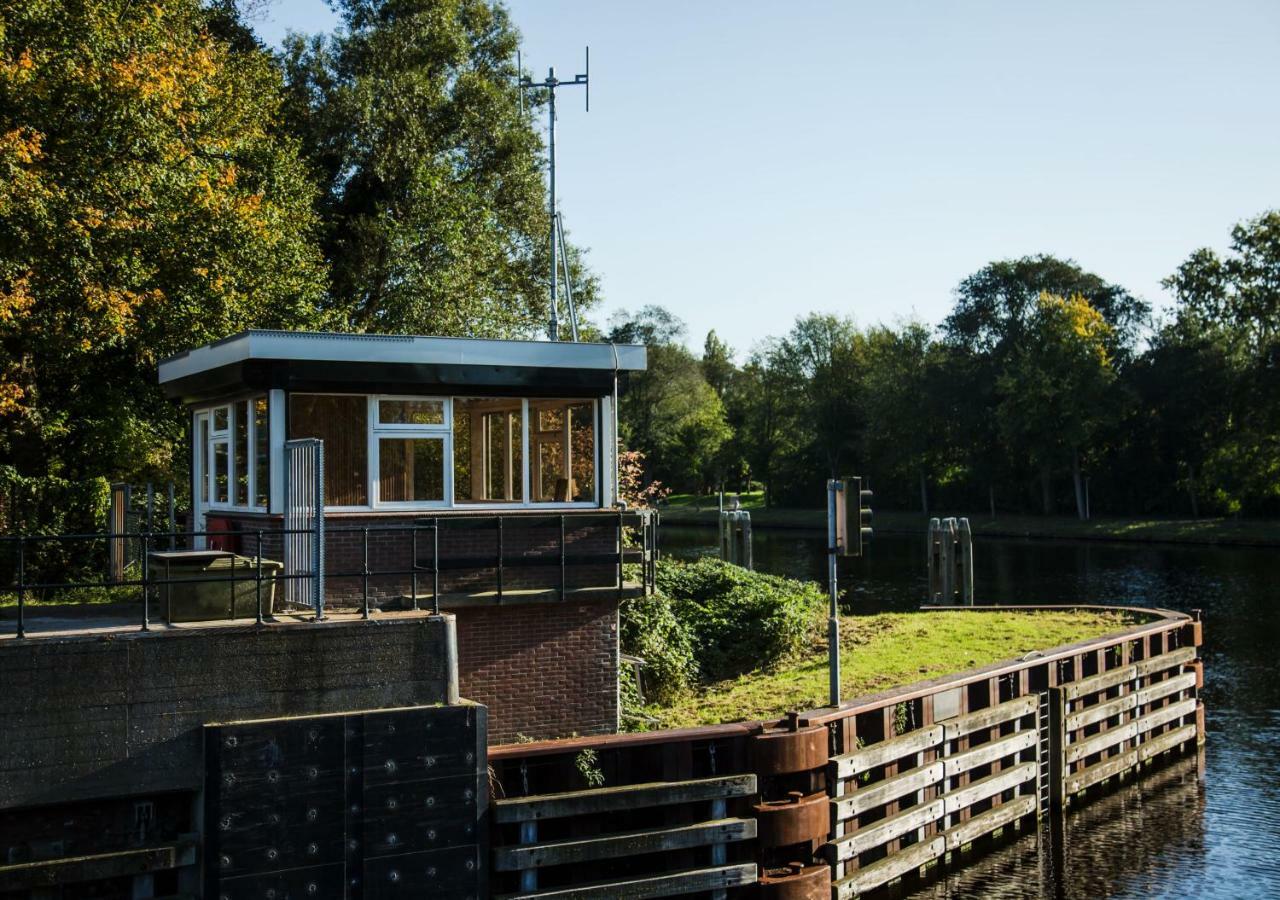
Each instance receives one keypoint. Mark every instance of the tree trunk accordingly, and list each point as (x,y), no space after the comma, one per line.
(1191,492)
(1046,490)
(1081,513)
(991,498)
(924,494)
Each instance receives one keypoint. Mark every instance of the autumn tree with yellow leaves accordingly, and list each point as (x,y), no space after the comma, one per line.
(148,203)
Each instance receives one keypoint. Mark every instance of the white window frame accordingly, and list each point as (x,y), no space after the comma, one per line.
(227,436)
(442,432)
(595,503)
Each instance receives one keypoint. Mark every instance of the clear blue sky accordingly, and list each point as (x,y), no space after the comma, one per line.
(746,162)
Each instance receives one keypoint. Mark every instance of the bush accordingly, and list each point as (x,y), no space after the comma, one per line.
(649,629)
(739,620)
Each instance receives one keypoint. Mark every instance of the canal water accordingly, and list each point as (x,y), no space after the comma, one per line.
(1207,827)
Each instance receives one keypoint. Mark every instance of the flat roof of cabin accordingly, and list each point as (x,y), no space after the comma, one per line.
(308,360)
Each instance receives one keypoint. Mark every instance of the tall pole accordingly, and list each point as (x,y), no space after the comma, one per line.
(833,618)
(553,331)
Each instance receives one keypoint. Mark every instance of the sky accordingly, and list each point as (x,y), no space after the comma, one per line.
(745,163)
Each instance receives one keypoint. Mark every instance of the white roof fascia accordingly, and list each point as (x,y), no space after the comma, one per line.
(385,348)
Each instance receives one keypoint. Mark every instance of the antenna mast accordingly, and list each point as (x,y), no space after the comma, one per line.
(551,85)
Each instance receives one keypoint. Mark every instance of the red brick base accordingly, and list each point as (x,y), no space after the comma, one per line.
(544,670)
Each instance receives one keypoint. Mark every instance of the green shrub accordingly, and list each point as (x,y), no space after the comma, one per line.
(739,620)
(649,629)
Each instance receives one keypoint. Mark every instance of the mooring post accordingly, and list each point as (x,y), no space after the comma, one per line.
(833,619)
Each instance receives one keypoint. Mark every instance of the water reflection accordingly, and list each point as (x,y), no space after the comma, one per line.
(1172,834)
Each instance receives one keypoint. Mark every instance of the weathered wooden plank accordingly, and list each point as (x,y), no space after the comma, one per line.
(1174,685)
(1101,712)
(1092,685)
(515,857)
(979,790)
(885,870)
(1101,741)
(1078,781)
(628,796)
(1166,715)
(859,761)
(1163,661)
(1168,741)
(989,821)
(989,752)
(877,833)
(857,802)
(988,718)
(692,881)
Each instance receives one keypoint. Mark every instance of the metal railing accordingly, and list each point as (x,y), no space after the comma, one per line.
(634,542)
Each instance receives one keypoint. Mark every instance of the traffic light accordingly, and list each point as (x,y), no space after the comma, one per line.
(864,512)
(853,519)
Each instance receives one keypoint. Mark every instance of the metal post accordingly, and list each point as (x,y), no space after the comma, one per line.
(413,566)
(620,552)
(554,331)
(435,566)
(146,582)
(258,580)
(173,519)
(22,586)
(364,574)
(562,579)
(499,519)
(151,506)
(833,619)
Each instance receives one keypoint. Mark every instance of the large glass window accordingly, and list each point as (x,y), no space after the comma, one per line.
(261,454)
(341,421)
(241,445)
(563,448)
(410,412)
(411,470)
(488,450)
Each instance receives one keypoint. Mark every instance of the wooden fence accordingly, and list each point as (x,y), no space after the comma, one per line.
(845,800)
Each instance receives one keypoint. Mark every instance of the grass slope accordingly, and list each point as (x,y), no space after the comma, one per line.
(689,508)
(883,651)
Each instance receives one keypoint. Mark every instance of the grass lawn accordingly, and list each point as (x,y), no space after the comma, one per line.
(690,508)
(883,651)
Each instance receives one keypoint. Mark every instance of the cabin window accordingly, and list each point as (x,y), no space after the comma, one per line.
(409,437)
(562,446)
(233,446)
(488,450)
(341,421)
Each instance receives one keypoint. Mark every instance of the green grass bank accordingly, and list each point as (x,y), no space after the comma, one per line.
(701,509)
(878,652)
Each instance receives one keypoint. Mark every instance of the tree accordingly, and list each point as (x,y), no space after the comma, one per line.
(148,203)
(1229,309)
(669,411)
(433,201)
(1055,388)
(717,363)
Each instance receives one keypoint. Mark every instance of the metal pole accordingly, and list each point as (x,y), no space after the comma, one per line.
(554,331)
(365,574)
(173,520)
(22,586)
(258,583)
(413,567)
(146,583)
(562,557)
(833,619)
(435,566)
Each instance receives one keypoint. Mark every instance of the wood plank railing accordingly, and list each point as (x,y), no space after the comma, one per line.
(1113,722)
(695,814)
(889,823)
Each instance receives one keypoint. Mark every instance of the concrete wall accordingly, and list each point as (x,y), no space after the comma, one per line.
(122,715)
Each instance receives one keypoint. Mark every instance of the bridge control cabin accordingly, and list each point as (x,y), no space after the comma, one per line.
(478,474)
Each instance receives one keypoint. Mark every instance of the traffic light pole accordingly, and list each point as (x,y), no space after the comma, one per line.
(834,489)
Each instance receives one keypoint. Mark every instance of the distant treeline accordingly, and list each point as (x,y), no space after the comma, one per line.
(1046,388)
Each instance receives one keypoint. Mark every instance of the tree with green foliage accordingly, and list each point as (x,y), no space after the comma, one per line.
(1056,390)
(433,199)
(1229,308)
(149,202)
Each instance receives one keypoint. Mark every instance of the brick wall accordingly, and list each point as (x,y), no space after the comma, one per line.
(543,670)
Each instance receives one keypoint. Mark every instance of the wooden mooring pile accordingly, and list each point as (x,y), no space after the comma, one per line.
(839,802)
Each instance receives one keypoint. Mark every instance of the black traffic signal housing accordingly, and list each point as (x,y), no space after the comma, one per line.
(858,504)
